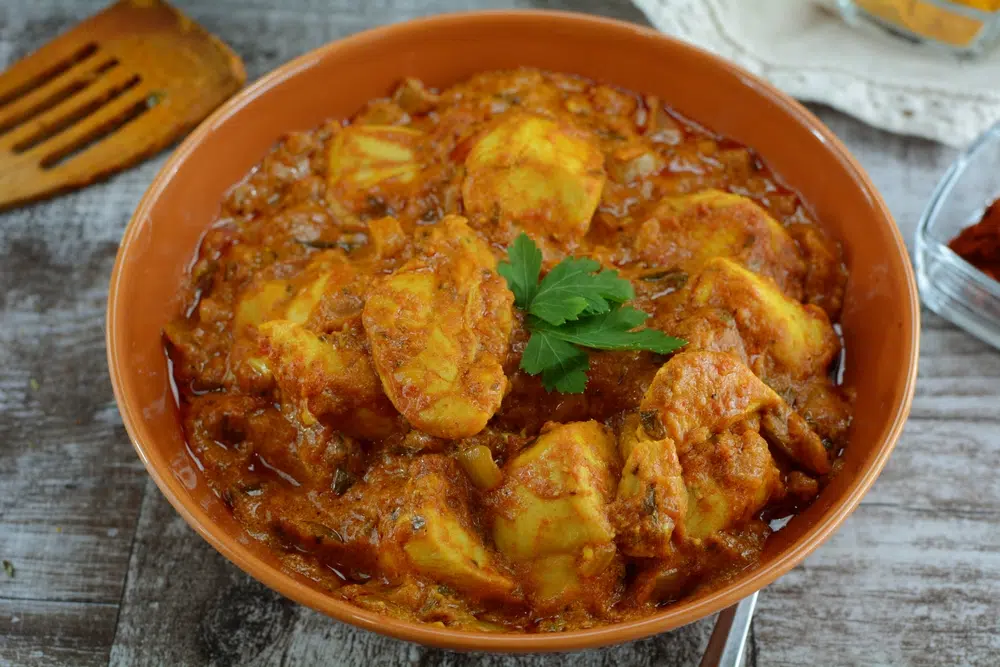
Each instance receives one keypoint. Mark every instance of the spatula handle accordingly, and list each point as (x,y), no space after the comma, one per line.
(727,644)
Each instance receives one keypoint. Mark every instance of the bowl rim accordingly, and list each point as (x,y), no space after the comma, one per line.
(670,618)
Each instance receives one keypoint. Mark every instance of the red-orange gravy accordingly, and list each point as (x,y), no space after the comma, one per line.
(562,511)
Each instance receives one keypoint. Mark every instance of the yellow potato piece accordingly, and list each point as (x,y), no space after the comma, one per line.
(550,513)
(543,174)
(786,337)
(651,498)
(439,328)
(327,376)
(685,231)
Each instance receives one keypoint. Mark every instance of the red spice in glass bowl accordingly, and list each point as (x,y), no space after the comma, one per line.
(979,244)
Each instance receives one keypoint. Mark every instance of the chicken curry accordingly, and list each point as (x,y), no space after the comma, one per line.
(352,369)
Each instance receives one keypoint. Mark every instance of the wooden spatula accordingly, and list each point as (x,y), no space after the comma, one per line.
(114,90)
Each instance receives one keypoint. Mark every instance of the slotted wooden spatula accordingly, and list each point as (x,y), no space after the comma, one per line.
(116,89)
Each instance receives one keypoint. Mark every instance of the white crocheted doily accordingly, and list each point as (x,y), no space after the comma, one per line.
(809,52)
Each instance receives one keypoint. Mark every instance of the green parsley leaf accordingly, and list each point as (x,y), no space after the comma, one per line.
(575,287)
(563,366)
(569,378)
(578,305)
(524,263)
(611,331)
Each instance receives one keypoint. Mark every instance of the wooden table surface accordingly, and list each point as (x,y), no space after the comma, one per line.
(105,572)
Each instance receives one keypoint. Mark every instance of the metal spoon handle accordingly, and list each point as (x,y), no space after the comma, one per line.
(729,637)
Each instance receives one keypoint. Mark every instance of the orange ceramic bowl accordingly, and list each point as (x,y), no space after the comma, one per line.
(880,318)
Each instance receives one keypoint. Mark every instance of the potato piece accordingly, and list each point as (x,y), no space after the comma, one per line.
(550,515)
(699,393)
(685,231)
(633,161)
(329,376)
(729,478)
(439,328)
(363,157)
(651,497)
(544,174)
(784,338)
(326,296)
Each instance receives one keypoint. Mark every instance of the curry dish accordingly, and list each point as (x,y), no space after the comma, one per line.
(350,370)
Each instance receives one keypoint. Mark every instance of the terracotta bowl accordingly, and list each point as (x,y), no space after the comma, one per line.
(880,319)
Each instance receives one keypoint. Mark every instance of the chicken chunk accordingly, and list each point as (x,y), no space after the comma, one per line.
(711,329)
(409,516)
(671,578)
(544,174)
(685,231)
(651,498)
(436,536)
(326,293)
(784,339)
(699,394)
(719,476)
(327,376)
(365,157)
(720,472)
(550,515)
(439,329)
(729,478)
(259,302)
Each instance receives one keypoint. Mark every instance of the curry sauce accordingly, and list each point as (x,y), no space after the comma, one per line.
(349,365)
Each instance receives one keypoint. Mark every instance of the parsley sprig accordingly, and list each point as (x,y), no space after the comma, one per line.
(576,306)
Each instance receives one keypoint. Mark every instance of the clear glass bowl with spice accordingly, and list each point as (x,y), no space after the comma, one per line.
(966,27)
(958,242)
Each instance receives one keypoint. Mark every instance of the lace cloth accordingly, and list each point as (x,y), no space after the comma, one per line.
(805,48)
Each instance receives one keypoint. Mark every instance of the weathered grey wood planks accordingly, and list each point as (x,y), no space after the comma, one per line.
(107,572)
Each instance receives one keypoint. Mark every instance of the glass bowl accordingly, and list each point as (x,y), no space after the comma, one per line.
(952,25)
(949,285)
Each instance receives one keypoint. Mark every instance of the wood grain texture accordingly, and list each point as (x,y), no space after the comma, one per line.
(107,572)
(53,634)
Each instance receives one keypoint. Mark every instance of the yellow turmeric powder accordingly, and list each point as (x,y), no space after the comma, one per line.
(931,20)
